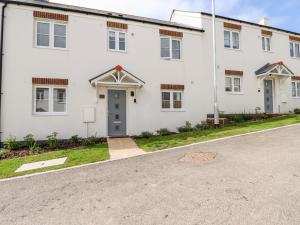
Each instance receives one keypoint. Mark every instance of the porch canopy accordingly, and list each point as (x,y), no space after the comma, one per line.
(278,70)
(117,77)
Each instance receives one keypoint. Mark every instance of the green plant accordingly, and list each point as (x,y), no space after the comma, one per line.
(146,134)
(29,141)
(202,126)
(35,149)
(163,132)
(52,140)
(11,143)
(186,128)
(75,139)
(4,153)
(297,111)
(90,141)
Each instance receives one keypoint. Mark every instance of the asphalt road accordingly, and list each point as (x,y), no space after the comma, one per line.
(255,180)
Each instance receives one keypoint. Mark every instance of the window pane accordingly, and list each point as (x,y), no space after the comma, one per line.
(43,34)
(176,49)
(298,89)
(59,42)
(165,47)
(59,100)
(268,44)
(297,50)
(112,40)
(292,49)
(228,84)
(42,100)
(177,100)
(165,96)
(122,41)
(263,43)
(237,85)
(226,39)
(294,89)
(235,40)
(60,30)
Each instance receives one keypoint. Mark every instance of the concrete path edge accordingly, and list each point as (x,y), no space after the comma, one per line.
(147,153)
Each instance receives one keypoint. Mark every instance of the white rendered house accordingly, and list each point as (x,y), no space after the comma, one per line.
(82,71)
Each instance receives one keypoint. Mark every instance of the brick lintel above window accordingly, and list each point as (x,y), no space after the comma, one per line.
(170,33)
(51,16)
(117,25)
(266,33)
(234,72)
(50,81)
(294,38)
(232,26)
(295,77)
(172,87)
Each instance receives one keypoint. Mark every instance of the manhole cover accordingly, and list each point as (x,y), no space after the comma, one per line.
(198,157)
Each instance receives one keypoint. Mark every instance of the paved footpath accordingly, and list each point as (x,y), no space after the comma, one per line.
(254,180)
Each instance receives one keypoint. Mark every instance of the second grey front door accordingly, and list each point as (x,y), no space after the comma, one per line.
(268,90)
(116,113)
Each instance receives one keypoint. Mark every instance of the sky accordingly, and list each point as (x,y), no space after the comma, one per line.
(281,13)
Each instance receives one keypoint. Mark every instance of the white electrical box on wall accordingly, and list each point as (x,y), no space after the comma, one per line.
(89,114)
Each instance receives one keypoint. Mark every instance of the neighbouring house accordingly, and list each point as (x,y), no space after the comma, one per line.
(75,70)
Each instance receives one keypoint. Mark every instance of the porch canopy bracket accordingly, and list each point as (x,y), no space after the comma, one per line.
(277,69)
(117,77)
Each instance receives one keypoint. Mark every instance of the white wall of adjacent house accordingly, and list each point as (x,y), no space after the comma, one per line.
(248,58)
(87,56)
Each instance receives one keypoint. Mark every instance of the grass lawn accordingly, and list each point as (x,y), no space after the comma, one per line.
(163,142)
(78,156)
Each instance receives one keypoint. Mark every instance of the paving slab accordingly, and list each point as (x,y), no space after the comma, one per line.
(41,164)
(120,148)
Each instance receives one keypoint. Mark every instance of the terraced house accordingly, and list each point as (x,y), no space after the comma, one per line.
(82,71)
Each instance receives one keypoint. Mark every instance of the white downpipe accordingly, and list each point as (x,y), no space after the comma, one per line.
(216,107)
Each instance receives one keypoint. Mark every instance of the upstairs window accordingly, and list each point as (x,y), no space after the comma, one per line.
(266,43)
(51,35)
(295,49)
(117,40)
(231,39)
(296,89)
(170,47)
(233,84)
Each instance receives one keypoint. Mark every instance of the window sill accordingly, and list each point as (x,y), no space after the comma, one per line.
(233,49)
(117,51)
(171,60)
(234,93)
(51,48)
(172,110)
(265,51)
(295,97)
(295,58)
(49,114)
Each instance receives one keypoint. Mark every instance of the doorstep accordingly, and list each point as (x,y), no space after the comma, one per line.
(123,147)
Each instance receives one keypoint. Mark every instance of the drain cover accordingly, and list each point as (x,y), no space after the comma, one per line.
(198,157)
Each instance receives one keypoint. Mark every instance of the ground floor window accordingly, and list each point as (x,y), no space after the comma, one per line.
(296,89)
(50,99)
(233,84)
(171,99)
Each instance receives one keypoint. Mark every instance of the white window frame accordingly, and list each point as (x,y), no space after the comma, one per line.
(117,40)
(171,47)
(232,84)
(172,101)
(231,39)
(51,34)
(294,43)
(51,99)
(296,88)
(264,43)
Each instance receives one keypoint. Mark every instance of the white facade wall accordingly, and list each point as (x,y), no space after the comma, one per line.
(86,56)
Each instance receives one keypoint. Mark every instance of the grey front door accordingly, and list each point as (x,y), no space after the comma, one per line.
(268,84)
(116,113)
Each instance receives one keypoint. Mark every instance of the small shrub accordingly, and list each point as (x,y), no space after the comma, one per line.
(186,128)
(75,139)
(163,132)
(35,149)
(29,141)
(52,140)
(202,126)
(4,153)
(297,111)
(11,143)
(146,134)
(90,141)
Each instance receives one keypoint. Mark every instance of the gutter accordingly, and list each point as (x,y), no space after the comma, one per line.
(1,59)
